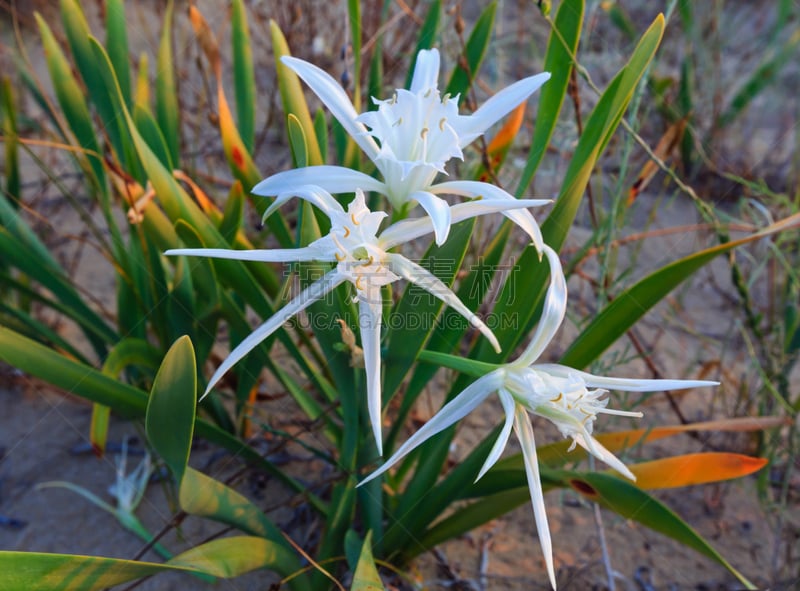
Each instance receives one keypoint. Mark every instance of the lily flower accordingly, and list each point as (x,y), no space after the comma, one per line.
(361,257)
(568,398)
(409,138)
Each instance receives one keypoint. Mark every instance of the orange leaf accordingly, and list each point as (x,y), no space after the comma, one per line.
(698,468)
(666,145)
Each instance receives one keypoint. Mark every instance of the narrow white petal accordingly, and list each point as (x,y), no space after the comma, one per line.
(522,218)
(426,71)
(334,179)
(420,276)
(524,431)
(411,229)
(438,211)
(275,255)
(312,193)
(498,107)
(555,307)
(450,413)
(508,406)
(623,384)
(369,314)
(597,449)
(335,98)
(307,297)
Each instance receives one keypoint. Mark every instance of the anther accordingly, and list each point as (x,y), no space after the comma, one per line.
(442,121)
(353,218)
(346,231)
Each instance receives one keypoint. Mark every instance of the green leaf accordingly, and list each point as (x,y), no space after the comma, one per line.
(297,141)
(8,125)
(117,45)
(634,302)
(231,557)
(461,79)
(243,74)
(171,408)
(561,47)
(166,92)
(77,30)
(406,339)
(148,127)
(531,277)
(366,577)
(226,557)
(86,382)
(626,499)
(294,102)
(72,100)
(204,496)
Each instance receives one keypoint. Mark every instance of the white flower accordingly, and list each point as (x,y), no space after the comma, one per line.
(410,139)
(362,257)
(569,398)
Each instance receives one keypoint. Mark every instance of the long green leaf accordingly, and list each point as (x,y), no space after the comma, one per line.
(294,102)
(562,45)
(427,35)
(166,92)
(243,74)
(117,46)
(634,302)
(227,558)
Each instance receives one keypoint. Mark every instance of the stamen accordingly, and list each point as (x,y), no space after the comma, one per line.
(557,398)
(346,231)
(442,121)
(398,123)
(423,133)
(427,94)
(358,283)
(339,257)
(353,218)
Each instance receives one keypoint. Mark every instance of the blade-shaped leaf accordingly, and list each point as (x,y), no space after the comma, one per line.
(171,408)
(634,302)
(462,77)
(243,74)
(562,45)
(366,577)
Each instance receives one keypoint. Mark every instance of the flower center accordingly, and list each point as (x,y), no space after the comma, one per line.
(416,135)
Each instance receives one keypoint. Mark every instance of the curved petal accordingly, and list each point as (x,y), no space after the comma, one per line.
(450,413)
(420,276)
(335,98)
(334,179)
(314,194)
(426,71)
(411,229)
(439,212)
(276,255)
(597,449)
(524,431)
(555,307)
(623,384)
(307,297)
(369,317)
(508,406)
(497,107)
(522,218)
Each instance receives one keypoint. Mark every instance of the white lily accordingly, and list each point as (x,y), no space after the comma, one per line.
(569,398)
(410,139)
(362,257)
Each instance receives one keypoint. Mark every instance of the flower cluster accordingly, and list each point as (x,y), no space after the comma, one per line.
(410,138)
